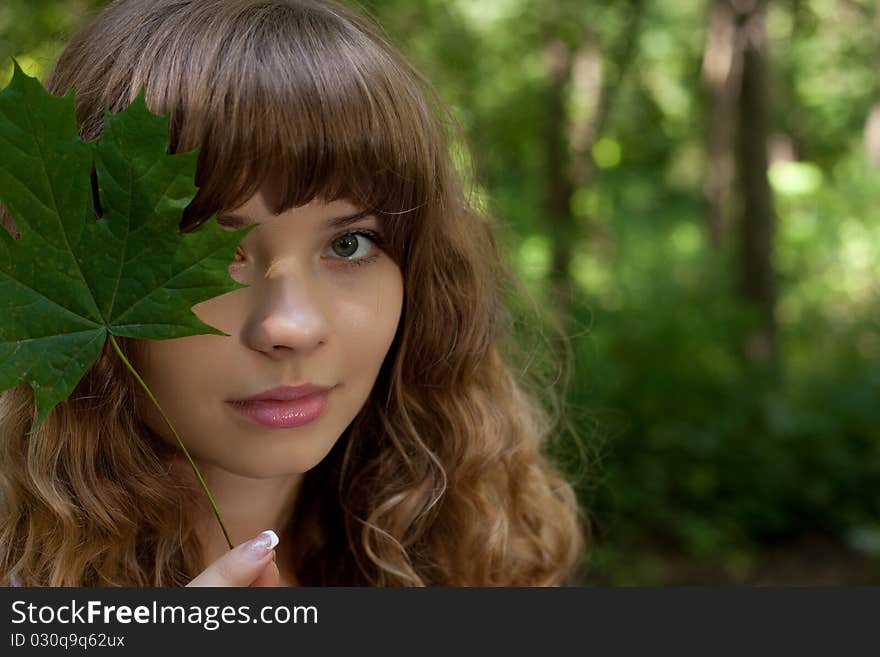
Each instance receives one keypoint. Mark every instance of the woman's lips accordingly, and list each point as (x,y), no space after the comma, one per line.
(283,414)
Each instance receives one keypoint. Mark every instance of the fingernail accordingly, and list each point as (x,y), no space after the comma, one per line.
(259,547)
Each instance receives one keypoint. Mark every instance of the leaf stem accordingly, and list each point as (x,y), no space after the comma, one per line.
(179,441)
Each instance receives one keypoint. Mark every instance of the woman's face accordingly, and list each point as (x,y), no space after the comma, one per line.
(322,306)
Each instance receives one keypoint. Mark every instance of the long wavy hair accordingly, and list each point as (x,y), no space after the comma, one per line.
(444,477)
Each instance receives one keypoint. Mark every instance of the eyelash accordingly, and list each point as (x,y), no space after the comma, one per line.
(369,234)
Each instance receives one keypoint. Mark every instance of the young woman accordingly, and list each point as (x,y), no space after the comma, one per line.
(416,458)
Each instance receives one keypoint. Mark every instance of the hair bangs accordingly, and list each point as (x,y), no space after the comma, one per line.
(312,107)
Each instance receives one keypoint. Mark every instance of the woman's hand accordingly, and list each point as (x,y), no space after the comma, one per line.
(250,564)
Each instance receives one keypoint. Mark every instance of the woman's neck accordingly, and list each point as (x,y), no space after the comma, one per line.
(248,506)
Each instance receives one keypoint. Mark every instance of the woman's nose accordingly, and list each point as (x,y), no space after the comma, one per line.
(290,314)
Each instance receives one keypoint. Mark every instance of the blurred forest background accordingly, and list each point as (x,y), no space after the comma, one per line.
(693,183)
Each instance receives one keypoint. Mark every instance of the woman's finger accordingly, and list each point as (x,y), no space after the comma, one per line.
(242,565)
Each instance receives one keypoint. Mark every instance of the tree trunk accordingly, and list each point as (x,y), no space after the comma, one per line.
(559,182)
(569,143)
(722,70)
(758,276)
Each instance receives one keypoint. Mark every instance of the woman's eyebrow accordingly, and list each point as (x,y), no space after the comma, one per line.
(237,221)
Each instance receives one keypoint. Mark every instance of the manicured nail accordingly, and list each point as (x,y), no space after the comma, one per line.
(259,547)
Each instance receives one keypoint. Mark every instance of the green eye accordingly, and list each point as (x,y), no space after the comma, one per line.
(350,244)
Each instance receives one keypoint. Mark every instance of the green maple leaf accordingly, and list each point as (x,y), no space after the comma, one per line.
(71,281)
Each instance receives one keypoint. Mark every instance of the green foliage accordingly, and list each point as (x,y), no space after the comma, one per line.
(34,32)
(71,281)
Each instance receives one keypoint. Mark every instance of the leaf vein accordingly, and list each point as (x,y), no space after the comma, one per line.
(45,171)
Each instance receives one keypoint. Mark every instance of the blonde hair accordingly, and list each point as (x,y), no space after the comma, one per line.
(442,478)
